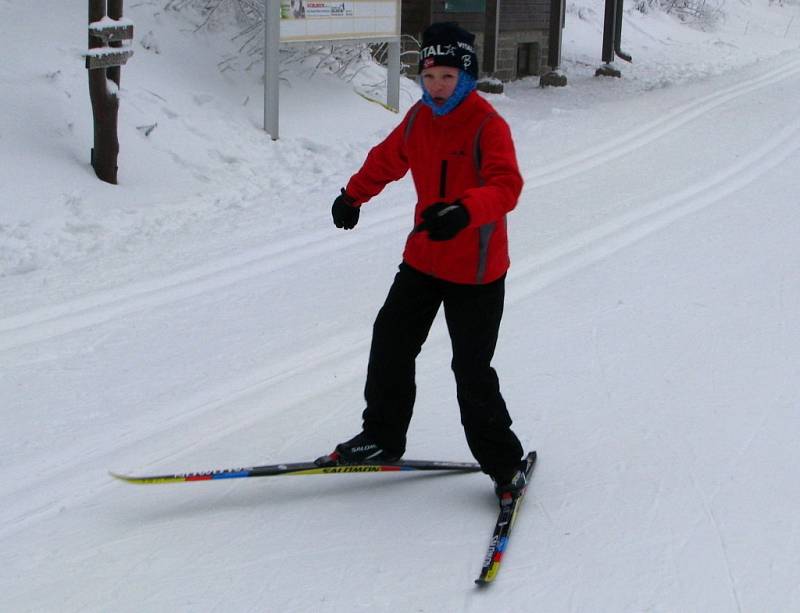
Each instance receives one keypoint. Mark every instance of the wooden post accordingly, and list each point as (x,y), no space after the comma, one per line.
(553,77)
(105,107)
(490,31)
(115,12)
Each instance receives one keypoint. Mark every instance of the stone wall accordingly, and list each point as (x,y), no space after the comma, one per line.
(508,46)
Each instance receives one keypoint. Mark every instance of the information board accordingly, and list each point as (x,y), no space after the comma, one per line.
(302,21)
(310,20)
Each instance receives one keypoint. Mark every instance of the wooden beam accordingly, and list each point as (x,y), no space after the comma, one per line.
(106,57)
(111,32)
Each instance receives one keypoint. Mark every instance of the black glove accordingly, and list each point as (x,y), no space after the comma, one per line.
(443,220)
(345,215)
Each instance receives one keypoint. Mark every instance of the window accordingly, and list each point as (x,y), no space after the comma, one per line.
(465,6)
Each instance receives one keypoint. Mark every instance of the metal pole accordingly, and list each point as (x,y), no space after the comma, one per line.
(618,34)
(272,42)
(556,25)
(609,29)
(393,76)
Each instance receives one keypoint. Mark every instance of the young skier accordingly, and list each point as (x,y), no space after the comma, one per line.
(462,160)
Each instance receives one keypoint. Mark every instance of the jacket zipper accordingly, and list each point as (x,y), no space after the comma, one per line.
(443,181)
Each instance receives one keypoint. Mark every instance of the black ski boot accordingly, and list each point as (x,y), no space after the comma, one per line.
(513,484)
(360,449)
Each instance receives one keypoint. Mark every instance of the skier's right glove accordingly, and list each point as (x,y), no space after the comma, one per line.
(443,220)
(345,213)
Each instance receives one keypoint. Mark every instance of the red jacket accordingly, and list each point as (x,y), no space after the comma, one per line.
(444,155)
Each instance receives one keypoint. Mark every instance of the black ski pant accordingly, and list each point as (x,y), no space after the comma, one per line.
(473,314)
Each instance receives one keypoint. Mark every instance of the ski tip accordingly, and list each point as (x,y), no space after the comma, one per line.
(125,478)
(146,480)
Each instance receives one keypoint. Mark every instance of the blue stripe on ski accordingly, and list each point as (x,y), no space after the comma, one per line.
(236,475)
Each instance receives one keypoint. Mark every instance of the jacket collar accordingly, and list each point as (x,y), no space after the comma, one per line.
(468,106)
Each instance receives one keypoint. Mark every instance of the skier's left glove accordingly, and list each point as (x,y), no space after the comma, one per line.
(443,220)
(345,213)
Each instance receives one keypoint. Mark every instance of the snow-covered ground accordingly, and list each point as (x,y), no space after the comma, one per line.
(205,313)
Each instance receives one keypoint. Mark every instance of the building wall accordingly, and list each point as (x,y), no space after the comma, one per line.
(416,16)
(524,15)
(474,22)
(508,50)
(521,22)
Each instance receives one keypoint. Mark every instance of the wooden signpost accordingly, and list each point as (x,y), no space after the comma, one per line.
(108,32)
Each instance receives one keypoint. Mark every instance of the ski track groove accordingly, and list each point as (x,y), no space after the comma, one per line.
(340,348)
(599,242)
(50,322)
(532,275)
(649,132)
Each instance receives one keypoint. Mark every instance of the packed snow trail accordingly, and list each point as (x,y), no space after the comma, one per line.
(649,352)
(214,276)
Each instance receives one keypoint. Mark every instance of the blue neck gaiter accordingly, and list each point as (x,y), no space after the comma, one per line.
(466,83)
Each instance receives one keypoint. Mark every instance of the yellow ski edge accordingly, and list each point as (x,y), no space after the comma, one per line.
(147,480)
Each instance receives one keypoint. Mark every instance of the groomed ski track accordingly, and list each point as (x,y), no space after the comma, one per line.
(45,323)
(299,393)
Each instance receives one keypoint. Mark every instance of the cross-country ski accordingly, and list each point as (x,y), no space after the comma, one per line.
(298,469)
(509,506)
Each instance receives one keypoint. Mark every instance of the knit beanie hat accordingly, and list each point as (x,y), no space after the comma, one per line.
(447,44)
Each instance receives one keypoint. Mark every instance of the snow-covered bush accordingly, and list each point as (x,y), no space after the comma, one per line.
(704,13)
(344,60)
(248,10)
